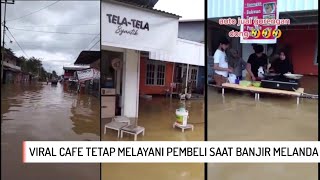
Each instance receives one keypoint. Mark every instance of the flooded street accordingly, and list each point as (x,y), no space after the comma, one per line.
(279,171)
(157,116)
(45,112)
(237,117)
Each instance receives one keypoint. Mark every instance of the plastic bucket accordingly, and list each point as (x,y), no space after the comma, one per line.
(182,117)
(232,78)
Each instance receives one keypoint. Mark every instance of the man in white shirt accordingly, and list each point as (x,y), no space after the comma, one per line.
(220,63)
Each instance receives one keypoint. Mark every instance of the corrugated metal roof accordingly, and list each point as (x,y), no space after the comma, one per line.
(87,57)
(132,3)
(229,8)
(191,20)
(147,3)
(10,55)
(75,67)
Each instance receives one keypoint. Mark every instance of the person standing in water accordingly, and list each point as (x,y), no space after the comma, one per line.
(220,67)
(256,60)
(236,63)
(282,65)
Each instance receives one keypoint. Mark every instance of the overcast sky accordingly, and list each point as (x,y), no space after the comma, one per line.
(56,50)
(188,9)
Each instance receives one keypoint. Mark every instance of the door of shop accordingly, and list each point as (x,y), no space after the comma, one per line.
(192,74)
(111,83)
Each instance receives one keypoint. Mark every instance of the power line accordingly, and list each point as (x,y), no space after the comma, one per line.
(92,40)
(41,46)
(55,32)
(94,44)
(59,25)
(8,37)
(17,42)
(33,12)
(90,43)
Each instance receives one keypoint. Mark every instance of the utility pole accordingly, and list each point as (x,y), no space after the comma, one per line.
(3,34)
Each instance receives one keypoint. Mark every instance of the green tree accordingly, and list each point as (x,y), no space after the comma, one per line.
(31,65)
(34,66)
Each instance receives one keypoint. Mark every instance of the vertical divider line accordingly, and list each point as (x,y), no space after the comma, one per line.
(318,116)
(100,82)
(206,85)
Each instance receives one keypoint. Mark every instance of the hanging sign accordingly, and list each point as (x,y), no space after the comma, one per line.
(88,74)
(130,27)
(96,74)
(261,18)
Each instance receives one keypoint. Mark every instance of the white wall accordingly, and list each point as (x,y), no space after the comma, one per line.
(154,38)
(185,51)
(130,88)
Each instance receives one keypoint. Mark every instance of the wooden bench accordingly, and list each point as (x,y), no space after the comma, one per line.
(115,126)
(258,90)
(133,130)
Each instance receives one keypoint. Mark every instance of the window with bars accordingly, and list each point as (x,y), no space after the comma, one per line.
(155,73)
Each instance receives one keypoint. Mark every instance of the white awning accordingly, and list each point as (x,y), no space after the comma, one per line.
(185,51)
(131,27)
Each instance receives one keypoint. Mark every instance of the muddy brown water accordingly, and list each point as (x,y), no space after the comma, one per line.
(157,117)
(45,112)
(237,117)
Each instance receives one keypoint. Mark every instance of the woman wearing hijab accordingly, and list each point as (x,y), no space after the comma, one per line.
(236,63)
(282,65)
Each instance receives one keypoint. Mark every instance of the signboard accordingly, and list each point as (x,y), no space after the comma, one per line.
(96,74)
(130,27)
(256,12)
(88,74)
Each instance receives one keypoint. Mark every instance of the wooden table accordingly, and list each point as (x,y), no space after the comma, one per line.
(258,90)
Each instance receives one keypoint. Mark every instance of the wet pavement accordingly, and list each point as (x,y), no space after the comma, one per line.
(45,112)
(274,118)
(157,116)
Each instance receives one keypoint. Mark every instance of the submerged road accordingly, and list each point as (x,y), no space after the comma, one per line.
(45,112)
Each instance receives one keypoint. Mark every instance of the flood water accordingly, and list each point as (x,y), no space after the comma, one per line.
(48,113)
(157,117)
(238,117)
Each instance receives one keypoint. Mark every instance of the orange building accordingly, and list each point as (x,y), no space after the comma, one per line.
(303,45)
(155,76)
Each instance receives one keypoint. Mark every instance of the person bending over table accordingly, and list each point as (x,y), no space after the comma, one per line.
(282,65)
(256,60)
(221,69)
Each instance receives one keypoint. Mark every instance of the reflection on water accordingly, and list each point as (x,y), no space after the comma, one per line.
(45,112)
(238,117)
(157,116)
(263,171)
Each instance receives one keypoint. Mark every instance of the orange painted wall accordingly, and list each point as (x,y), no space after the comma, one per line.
(302,48)
(147,89)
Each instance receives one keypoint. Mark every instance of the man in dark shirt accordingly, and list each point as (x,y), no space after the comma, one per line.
(255,61)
